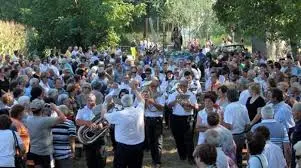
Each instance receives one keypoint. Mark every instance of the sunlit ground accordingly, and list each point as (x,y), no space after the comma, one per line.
(170,157)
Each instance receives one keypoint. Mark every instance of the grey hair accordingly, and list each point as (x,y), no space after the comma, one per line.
(213,138)
(61,98)
(23,100)
(33,81)
(52,93)
(267,112)
(297,107)
(127,100)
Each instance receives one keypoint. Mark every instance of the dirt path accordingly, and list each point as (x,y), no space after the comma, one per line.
(170,157)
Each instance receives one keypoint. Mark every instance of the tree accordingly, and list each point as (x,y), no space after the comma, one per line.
(270,19)
(60,23)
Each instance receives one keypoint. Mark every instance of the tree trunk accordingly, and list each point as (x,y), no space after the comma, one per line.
(293,43)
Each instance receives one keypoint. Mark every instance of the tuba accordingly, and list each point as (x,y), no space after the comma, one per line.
(87,135)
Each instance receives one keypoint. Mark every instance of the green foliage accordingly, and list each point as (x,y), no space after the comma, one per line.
(61,23)
(271,19)
(12,37)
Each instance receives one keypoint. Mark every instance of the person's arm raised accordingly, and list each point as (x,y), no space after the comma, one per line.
(61,116)
(134,85)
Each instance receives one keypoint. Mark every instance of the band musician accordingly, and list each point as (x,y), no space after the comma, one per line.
(183,102)
(95,152)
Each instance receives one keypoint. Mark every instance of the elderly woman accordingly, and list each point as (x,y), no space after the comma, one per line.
(205,156)
(254,103)
(53,94)
(8,139)
(213,138)
(201,124)
(227,142)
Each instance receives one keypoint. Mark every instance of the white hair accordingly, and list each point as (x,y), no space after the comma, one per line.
(267,112)
(297,107)
(61,98)
(52,93)
(23,100)
(127,100)
(213,138)
(33,81)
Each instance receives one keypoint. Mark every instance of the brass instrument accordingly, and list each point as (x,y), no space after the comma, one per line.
(87,135)
(183,99)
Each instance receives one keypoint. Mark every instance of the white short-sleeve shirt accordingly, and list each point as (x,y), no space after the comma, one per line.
(178,109)
(237,115)
(129,124)
(152,111)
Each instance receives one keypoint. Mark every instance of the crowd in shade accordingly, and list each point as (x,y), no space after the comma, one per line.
(235,110)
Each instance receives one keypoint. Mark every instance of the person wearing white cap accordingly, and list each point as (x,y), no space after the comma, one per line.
(278,134)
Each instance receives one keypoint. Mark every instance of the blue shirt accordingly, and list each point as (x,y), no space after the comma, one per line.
(283,114)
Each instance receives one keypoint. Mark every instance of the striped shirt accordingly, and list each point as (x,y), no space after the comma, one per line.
(278,133)
(61,134)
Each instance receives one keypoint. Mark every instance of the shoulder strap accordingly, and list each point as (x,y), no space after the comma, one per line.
(16,141)
(259,160)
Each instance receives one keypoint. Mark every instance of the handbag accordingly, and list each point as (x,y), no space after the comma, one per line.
(19,162)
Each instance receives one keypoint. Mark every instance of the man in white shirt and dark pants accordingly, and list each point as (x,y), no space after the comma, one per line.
(182,119)
(95,152)
(236,118)
(154,106)
(129,131)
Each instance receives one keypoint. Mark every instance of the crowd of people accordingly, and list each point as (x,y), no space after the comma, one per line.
(234,103)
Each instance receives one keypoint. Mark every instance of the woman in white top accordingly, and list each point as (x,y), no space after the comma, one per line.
(202,125)
(7,142)
(256,143)
(222,100)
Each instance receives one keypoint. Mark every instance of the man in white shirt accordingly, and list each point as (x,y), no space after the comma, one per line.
(129,131)
(235,118)
(94,152)
(154,102)
(183,102)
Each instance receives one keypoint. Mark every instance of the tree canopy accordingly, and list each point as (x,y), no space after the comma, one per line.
(270,19)
(60,23)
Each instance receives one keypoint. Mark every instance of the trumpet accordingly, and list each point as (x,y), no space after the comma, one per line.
(87,135)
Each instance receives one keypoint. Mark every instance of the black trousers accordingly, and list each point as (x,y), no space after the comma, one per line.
(182,130)
(112,136)
(239,140)
(154,137)
(128,156)
(167,113)
(96,154)
(43,161)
